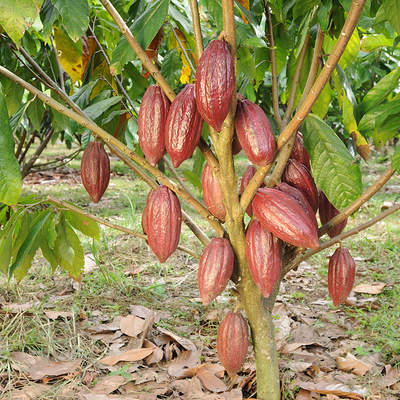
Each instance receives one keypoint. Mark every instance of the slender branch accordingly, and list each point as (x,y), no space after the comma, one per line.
(295,81)
(27,147)
(301,257)
(315,63)
(109,139)
(21,144)
(60,68)
(357,203)
(196,27)
(305,108)
(275,97)
(175,173)
(110,224)
(183,49)
(56,163)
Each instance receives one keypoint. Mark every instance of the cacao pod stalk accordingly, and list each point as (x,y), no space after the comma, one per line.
(246,178)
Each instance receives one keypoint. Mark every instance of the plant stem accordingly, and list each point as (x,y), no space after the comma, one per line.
(196,27)
(60,68)
(275,97)
(110,224)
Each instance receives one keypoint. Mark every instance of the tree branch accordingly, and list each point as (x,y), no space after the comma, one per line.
(301,257)
(102,221)
(275,97)
(60,68)
(196,27)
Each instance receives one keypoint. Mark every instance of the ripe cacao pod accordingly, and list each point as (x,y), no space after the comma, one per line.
(212,194)
(215,83)
(299,151)
(283,216)
(254,132)
(232,342)
(341,272)
(184,125)
(246,178)
(215,269)
(299,196)
(163,222)
(326,212)
(151,123)
(236,147)
(297,175)
(95,170)
(264,257)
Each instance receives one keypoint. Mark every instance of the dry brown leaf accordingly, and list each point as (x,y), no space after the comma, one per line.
(185,343)
(235,394)
(107,384)
(186,360)
(144,312)
(112,326)
(282,324)
(392,376)
(38,367)
(130,355)
(370,288)
(18,308)
(188,386)
(330,387)
(206,374)
(132,325)
(100,396)
(157,354)
(90,264)
(29,392)
(352,364)
(304,395)
(58,314)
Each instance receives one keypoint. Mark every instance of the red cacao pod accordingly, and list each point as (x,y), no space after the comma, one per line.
(246,178)
(254,132)
(151,123)
(299,151)
(95,170)
(163,222)
(297,175)
(299,196)
(215,269)
(215,83)
(232,342)
(184,125)
(341,272)
(264,257)
(326,212)
(236,147)
(212,194)
(283,216)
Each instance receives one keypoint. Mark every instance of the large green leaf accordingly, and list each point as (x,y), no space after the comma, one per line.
(396,160)
(6,248)
(378,115)
(392,13)
(75,16)
(10,174)
(18,15)
(373,42)
(332,165)
(95,110)
(381,90)
(84,224)
(321,106)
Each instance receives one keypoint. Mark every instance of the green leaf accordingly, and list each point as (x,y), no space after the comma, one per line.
(171,67)
(381,90)
(392,13)
(10,174)
(6,249)
(376,117)
(79,258)
(48,15)
(35,113)
(396,160)
(18,15)
(245,63)
(332,165)
(351,52)
(373,42)
(95,110)
(323,102)
(18,116)
(75,16)
(84,224)
(192,178)
(349,121)
(30,244)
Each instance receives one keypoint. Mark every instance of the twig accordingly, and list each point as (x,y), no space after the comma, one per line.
(21,144)
(60,68)
(56,163)
(175,173)
(301,257)
(110,224)
(196,27)
(305,108)
(275,98)
(27,147)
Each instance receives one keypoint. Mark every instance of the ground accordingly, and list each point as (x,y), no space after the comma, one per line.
(129,303)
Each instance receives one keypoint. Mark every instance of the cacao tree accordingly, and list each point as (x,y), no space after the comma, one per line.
(270,71)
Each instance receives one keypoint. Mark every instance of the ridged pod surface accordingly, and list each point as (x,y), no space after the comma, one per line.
(254,132)
(215,269)
(297,175)
(326,212)
(215,83)
(246,178)
(184,125)
(264,257)
(232,342)
(164,220)
(145,212)
(341,272)
(283,216)
(151,123)
(212,194)
(299,196)
(299,151)
(95,170)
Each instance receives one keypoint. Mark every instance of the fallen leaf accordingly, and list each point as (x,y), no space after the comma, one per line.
(186,360)
(352,364)
(29,392)
(282,324)
(38,367)
(58,314)
(299,366)
(157,354)
(391,377)
(185,343)
(132,325)
(304,395)
(207,375)
(112,326)
(18,308)
(90,264)
(188,387)
(144,312)
(130,355)
(370,288)
(330,387)
(107,384)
